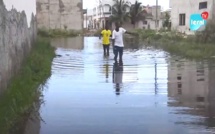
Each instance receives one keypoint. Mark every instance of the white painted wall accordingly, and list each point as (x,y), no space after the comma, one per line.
(188,7)
(150,24)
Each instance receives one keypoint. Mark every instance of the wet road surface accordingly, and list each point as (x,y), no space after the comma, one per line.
(152,93)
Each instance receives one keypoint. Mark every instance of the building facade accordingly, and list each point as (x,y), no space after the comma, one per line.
(150,21)
(60,14)
(182,9)
(103,10)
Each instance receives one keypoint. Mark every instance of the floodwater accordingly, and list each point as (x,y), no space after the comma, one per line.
(152,93)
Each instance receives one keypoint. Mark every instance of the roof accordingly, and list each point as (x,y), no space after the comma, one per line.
(168,10)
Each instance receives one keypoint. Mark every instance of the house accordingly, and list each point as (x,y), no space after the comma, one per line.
(58,14)
(166,18)
(150,21)
(88,19)
(182,9)
(103,10)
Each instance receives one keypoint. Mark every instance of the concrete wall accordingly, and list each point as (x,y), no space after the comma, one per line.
(16,40)
(58,14)
(188,7)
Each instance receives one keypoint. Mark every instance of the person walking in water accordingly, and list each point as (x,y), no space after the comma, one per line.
(106,34)
(117,40)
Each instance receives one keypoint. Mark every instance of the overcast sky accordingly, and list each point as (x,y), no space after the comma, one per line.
(164,3)
(30,5)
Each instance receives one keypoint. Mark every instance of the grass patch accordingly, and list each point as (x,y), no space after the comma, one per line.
(58,33)
(189,50)
(19,99)
(177,44)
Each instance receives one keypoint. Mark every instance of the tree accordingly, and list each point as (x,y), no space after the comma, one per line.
(136,13)
(119,13)
(166,22)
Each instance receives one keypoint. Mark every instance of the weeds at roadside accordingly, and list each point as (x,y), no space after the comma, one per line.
(19,99)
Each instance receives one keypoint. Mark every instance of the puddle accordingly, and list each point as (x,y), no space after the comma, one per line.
(151,93)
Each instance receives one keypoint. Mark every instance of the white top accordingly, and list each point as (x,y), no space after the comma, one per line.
(118,36)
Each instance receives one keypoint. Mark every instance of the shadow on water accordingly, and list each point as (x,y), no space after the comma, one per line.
(150,93)
(69,43)
(106,67)
(117,76)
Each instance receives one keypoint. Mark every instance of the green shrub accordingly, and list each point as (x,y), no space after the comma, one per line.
(180,44)
(207,35)
(58,33)
(98,32)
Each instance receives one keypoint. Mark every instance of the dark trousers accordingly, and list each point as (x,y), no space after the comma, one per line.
(106,49)
(118,51)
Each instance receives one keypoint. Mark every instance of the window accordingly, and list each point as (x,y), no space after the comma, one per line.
(179,85)
(179,91)
(179,78)
(200,99)
(144,22)
(201,79)
(182,19)
(203,5)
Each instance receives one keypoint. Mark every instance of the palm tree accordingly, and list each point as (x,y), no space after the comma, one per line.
(137,13)
(119,13)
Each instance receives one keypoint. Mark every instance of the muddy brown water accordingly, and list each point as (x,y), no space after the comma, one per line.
(153,93)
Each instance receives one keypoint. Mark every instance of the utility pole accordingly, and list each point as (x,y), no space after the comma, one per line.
(156,87)
(156,21)
(213,11)
(86,20)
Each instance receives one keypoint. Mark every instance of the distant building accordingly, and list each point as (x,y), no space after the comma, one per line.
(60,14)
(88,19)
(164,17)
(101,13)
(150,20)
(182,9)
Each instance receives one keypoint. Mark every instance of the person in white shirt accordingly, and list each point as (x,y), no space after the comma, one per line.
(117,40)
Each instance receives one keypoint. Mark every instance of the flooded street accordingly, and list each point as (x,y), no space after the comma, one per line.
(152,93)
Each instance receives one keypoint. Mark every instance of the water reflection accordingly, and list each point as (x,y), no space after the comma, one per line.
(33,124)
(76,43)
(79,101)
(106,68)
(192,87)
(132,43)
(117,76)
